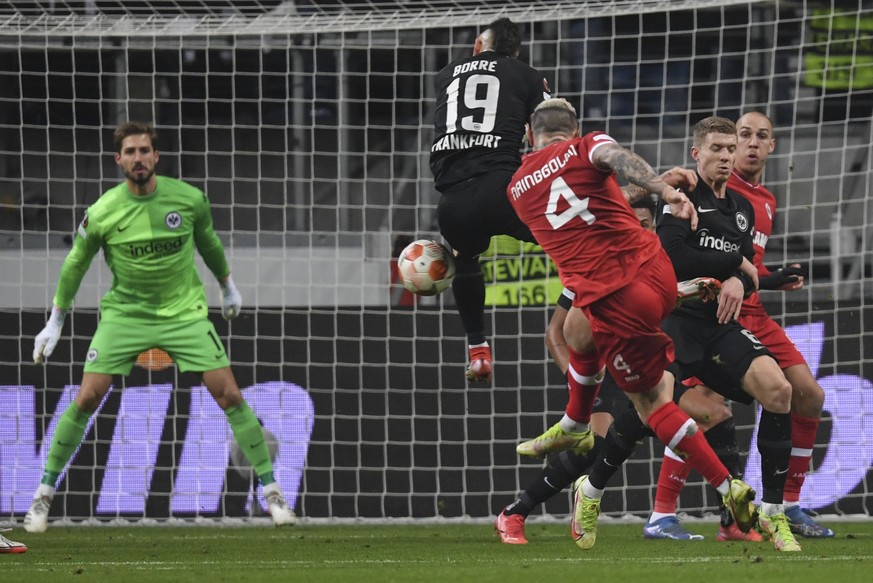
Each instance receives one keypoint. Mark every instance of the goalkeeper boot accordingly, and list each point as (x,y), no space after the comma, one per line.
(583,525)
(740,501)
(555,439)
(777,527)
(479,369)
(280,512)
(510,528)
(704,289)
(36,519)
(801,523)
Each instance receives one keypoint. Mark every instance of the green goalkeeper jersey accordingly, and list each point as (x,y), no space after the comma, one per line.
(148,243)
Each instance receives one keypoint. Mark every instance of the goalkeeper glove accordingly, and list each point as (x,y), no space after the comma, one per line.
(45,342)
(231,300)
(780,277)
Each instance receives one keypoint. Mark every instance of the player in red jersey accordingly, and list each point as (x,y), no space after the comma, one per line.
(756,142)
(567,194)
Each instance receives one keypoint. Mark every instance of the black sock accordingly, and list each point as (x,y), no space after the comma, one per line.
(563,469)
(774,444)
(722,438)
(616,449)
(469,290)
(618,446)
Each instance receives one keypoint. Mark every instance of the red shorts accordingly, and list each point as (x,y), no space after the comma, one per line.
(774,338)
(626,326)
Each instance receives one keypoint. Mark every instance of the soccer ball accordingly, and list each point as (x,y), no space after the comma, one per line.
(426,267)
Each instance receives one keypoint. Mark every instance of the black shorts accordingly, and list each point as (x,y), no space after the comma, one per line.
(610,398)
(717,354)
(473,211)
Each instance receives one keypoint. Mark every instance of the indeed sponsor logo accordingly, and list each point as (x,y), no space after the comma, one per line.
(707,241)
(157,248)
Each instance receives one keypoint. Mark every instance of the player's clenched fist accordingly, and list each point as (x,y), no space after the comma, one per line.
(45,341)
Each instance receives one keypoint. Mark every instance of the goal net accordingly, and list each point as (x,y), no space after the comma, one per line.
(308,124)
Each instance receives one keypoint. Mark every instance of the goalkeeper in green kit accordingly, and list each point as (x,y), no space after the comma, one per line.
(148,227)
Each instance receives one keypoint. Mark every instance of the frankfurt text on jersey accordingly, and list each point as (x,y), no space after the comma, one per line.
(464,141)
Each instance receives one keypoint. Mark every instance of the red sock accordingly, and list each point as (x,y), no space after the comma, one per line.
(671,424)
(674,472)
(803,430)
(581,385)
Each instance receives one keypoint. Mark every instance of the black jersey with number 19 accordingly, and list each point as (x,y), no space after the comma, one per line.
(482,105)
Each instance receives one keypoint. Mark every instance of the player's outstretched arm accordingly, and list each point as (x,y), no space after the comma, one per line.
(637,171)
(45,342)
(681,178)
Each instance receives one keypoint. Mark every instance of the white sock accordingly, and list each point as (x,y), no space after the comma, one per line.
(590,491)
(771,509)
(44,490)
(572,426)
(659,515)
(272,487)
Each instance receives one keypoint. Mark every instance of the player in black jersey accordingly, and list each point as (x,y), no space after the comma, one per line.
(710,344)
(483,103)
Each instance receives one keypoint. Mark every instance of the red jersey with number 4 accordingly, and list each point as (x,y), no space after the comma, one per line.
(764,204)
(580,217)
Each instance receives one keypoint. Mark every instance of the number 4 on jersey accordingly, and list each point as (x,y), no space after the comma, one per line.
(578,207)
(619,363)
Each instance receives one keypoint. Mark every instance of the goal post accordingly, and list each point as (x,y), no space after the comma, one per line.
(309,125)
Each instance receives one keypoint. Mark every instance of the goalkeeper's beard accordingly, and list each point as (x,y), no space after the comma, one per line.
(139,179)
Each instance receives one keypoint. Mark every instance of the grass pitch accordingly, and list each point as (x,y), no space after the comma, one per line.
(428,552)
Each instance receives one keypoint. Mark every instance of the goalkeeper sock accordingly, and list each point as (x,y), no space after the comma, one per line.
(250,436)
(67,438)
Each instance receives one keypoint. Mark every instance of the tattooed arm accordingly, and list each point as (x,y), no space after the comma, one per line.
(631,167)
(676,177)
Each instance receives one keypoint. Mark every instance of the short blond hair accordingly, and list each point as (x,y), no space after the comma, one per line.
(712,125)
(554,116)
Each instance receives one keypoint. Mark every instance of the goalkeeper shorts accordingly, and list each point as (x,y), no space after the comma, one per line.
(193,345)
